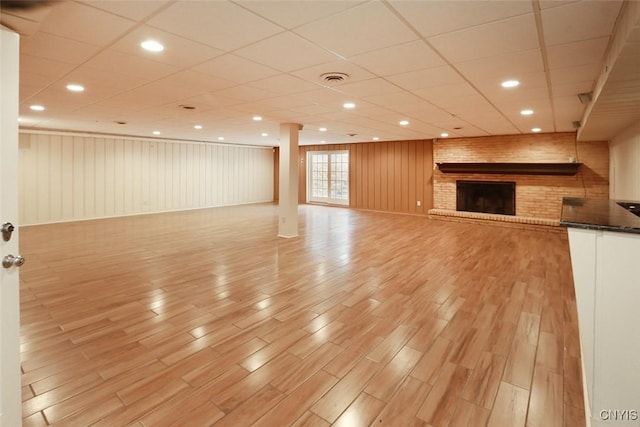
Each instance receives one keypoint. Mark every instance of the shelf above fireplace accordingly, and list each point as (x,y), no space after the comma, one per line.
(511,168)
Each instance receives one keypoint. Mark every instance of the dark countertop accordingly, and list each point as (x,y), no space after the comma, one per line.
(598,214)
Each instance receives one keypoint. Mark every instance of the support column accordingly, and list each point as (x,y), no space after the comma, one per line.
(288,205)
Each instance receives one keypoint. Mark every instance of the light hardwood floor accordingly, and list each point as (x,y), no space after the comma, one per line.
(206,317)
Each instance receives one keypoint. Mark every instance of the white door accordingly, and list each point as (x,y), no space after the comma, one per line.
(10,396)
(328,177)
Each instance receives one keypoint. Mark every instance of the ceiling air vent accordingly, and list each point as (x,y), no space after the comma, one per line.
(334,78)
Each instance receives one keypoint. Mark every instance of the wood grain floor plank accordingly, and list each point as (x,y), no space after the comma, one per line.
(510,408)
(295,404)
(404,404)
(336,400)
(440,405)
(366,317)
(361,412)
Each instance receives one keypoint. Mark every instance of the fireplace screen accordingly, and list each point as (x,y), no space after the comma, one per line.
(486,196)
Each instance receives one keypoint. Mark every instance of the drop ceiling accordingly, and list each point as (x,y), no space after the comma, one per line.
(437,64)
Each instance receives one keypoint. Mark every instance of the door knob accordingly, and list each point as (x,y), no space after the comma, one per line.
(10,260)
(7,229)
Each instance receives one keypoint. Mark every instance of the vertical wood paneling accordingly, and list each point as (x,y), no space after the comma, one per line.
(420,167)
(99,176)
(380,176)
(67,178)
(386,176)
(55,178)
(89,179)
(78,178)
(276,174)
(411,158)
(70,177)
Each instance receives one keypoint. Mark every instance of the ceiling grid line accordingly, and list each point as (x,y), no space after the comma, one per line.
(545,59)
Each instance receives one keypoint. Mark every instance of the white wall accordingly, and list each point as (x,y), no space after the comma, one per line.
(65,177)
(624,176)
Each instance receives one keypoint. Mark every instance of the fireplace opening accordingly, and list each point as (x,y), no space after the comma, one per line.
(486,196)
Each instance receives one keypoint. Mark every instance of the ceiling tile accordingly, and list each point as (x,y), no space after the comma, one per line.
(402,58)
(234,68)
(285,84)
(211,100)
(532,86)
(65,100)
(37,71)
(123,63)
(177,51)
(183,84)
(337,33)
(291,14)
(222,25)
(579,73)
(286,52)
(369,87)
(77,21)
(92,78)
(290,102)
(431,18)
(579,21)
(244,93)
(134,10)
(393,100)
(498,38)
(577,53)
(502,67)
(546,4)
(426,78)
(57,48)
(447,95)
(426,111)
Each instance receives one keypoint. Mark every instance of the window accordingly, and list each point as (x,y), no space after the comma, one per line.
(328,177)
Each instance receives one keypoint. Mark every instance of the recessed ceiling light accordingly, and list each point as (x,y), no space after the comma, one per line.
(404,122)
(37,108)
(322,129)
(349,105)
(75,87)
(264,134)
(197,127)
(375,138)
(535,129)
(509,83)
(526,112)
(221,138)
(444,134)
(257,118)
(323,141)
(152,46)
(156,132)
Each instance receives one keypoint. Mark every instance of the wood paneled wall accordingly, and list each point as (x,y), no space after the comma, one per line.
(384,176)
(66,177)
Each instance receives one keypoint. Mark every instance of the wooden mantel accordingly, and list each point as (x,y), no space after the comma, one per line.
(511,168)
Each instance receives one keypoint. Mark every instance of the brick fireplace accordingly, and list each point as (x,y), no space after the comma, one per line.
(537,196)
